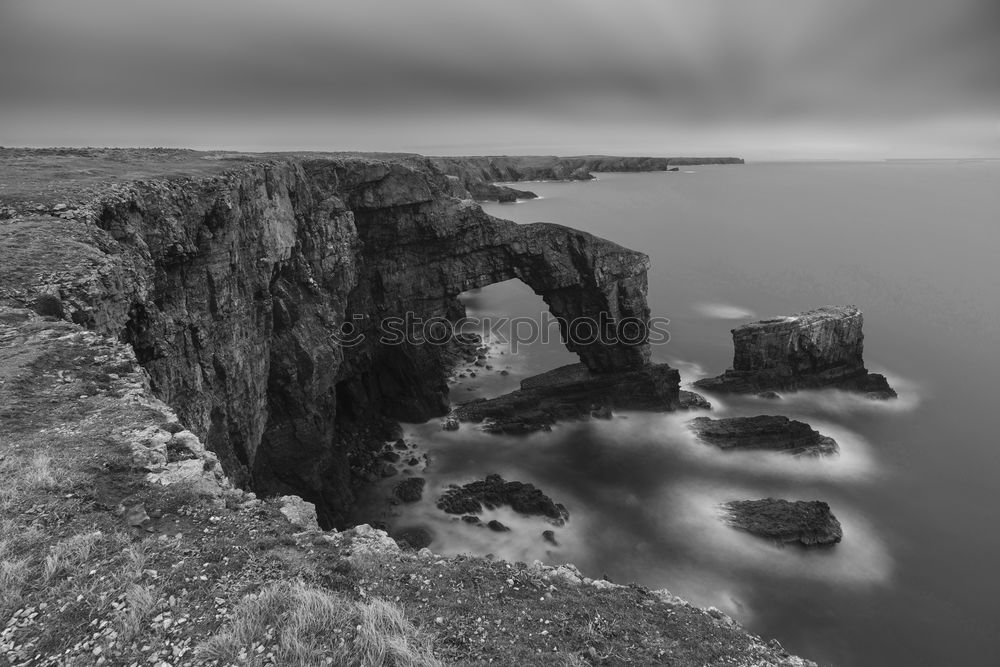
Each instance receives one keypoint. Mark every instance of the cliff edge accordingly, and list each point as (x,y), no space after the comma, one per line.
(170,328)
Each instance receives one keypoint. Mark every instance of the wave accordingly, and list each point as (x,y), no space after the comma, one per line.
(723,311)
(837,402)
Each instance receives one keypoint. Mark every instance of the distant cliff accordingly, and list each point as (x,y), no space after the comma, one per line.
(480,174)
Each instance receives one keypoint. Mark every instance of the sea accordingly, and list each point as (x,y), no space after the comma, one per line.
(916,246)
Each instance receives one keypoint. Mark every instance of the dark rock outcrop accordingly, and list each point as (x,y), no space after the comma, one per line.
(410,490)
(498,527)
(573,392)
(478,175)
(816,349)
(809,523)
(413,537)
(494,492)
(768,432)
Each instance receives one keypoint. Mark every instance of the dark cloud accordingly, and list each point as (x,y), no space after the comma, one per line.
(845,63)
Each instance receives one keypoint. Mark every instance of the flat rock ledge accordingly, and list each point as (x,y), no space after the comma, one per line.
(574,392)
(764,432)
(494,492)
(817,349)
(806,522)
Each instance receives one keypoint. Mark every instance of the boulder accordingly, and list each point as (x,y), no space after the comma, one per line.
(299,513)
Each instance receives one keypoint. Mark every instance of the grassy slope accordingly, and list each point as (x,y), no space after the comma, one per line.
(100,566)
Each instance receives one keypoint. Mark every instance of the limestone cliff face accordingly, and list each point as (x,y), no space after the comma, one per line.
(233,289)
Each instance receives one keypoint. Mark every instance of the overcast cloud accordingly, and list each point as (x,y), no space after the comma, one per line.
(866,78)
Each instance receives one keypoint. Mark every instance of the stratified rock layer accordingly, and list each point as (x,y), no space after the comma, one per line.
(810,523)
(573,392)
(812,350)
(767,432)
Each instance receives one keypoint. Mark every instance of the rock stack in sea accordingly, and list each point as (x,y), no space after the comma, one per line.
(816,349)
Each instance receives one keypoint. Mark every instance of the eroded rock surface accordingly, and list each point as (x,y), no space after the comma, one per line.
(810,523)
(816,349)
(769,432)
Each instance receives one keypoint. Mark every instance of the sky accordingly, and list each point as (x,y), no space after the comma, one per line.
(762,79)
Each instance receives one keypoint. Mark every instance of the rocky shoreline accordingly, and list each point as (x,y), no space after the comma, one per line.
(479,175)
(228,281)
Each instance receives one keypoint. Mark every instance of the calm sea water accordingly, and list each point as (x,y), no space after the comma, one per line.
(915,245)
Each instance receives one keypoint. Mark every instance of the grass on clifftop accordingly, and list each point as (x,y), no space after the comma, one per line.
(98,566)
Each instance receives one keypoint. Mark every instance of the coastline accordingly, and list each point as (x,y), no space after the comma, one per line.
(71,386)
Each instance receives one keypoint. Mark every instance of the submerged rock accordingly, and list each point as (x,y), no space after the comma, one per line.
(817,349)
(498,527)
(810,523)
(413,537)
(410,490)
(570,392)
(494,492)
(769,432)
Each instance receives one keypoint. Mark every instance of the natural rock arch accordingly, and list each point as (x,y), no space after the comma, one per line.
(432,250)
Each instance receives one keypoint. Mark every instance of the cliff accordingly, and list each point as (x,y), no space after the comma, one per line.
(479,174)
(172,320)
(816,349)
(232,276)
